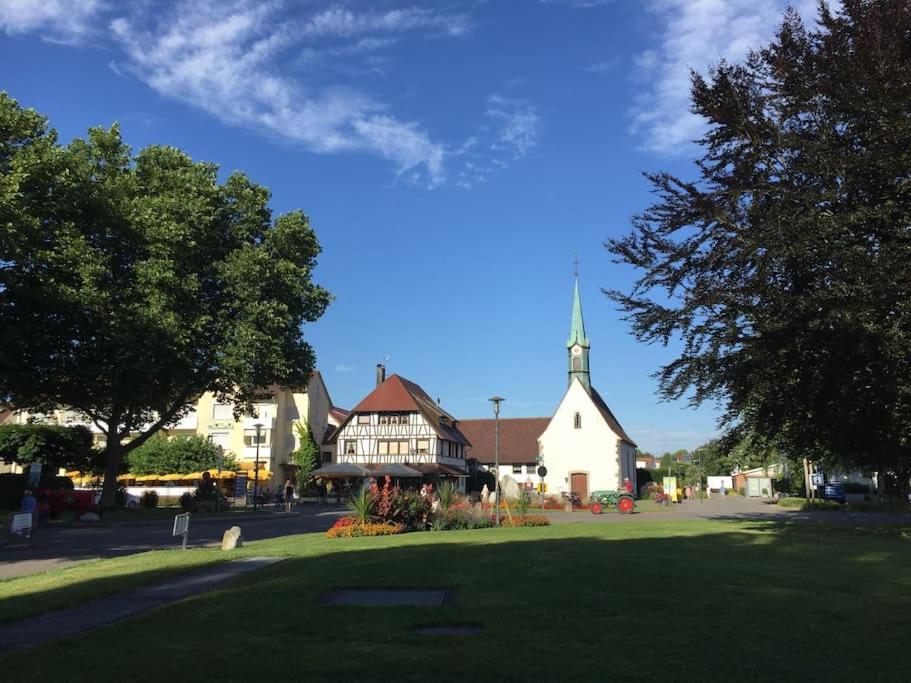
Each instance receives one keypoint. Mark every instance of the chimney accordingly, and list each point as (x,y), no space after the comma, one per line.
(380,373)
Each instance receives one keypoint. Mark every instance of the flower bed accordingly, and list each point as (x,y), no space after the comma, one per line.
(356,530)
(525,520)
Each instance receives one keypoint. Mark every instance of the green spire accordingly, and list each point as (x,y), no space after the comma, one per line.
(577,331)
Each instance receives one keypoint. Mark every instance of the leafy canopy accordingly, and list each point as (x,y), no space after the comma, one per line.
(132,283)
(784,267)
(52,445)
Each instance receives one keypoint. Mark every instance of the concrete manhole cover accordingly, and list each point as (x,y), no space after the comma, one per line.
(388,597)
(448,630)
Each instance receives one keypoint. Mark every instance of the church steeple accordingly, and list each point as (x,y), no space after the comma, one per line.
(577,346)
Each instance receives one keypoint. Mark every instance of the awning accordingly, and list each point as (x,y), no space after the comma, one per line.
(340,470)
(148,477)
(394,469)
(262,475)
(439,470)
(172,477)
(126,477)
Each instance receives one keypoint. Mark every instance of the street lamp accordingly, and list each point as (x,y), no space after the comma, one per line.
(259,428)
(496,400)
(218,464)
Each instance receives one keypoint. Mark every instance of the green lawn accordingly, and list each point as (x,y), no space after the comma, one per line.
(631,601)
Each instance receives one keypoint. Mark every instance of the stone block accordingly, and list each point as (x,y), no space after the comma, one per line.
(232,539)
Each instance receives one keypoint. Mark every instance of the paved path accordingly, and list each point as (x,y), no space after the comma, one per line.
(63,546)
(736,508)
(67,622)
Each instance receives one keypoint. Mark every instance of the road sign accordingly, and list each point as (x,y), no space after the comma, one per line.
(21,523)
(182,527)
(542,471)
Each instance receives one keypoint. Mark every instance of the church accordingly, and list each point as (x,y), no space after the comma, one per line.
(582,446)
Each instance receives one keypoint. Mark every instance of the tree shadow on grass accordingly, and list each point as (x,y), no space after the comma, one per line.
(713,606)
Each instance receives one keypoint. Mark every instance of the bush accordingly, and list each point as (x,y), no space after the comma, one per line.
(357,530)
(463,518)
(792,502)
(149,499)
(525,520)
(523,502)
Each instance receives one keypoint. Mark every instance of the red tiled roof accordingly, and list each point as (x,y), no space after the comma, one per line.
(398,394)
(518,439)
(339,414)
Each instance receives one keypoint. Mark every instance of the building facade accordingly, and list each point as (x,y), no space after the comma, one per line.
(399,423)
(278,412)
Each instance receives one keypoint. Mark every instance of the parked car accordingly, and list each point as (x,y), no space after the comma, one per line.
(832,491)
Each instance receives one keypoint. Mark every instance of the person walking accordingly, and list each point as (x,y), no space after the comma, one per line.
(289,495)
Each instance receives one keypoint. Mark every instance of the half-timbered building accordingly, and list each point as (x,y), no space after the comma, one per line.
(399,423)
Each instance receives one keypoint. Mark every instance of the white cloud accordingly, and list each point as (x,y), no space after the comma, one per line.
(511,131)
(603,67)
(55,20)
(222,57)
(695,34)
(339,22)
(518,123)
(344,367)
(577,4)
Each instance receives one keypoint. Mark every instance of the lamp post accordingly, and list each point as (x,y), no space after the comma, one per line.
(259,428)
(496,400)
(218,464)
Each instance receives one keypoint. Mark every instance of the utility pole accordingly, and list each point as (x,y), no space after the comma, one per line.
(496,400)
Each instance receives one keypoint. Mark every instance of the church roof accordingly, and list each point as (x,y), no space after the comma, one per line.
(577,328)
(518,439)
(612,421)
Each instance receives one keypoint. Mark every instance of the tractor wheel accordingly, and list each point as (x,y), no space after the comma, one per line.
(597,508)
(625,505)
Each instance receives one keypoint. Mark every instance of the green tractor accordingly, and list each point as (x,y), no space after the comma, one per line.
(624,502)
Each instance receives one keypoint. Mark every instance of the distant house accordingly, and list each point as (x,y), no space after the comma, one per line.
(647,462)
(518,445)
(399,423)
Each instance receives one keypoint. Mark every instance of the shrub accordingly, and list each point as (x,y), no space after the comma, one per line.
(525,520)
(446,495)
(187,502)
(523,502)
(149,499)
(362,506)
(358,530)
(467,518)
(792,502)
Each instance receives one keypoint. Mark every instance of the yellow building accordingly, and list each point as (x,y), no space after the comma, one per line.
(277,413)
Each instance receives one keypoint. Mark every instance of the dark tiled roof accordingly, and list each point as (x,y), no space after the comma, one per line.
(339,414)
(611,420)
(518,439)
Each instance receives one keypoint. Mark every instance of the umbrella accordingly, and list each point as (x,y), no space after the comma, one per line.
(395,470)
(340,470)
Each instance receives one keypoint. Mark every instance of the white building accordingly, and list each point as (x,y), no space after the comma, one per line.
(582,446)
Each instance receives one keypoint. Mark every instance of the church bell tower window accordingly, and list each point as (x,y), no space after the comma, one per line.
(577,421)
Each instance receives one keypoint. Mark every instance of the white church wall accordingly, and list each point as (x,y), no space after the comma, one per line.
(591,449)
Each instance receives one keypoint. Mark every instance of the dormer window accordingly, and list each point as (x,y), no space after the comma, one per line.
(443,421)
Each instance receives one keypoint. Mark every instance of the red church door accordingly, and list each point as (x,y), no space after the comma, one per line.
(579,484)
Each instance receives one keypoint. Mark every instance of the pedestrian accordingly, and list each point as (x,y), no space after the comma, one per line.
(320,492)
(722,490)
(627,484)
(289,495)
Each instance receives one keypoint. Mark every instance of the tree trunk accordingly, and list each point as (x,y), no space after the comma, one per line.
(113,456)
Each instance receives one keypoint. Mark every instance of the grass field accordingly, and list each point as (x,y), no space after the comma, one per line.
(638,601)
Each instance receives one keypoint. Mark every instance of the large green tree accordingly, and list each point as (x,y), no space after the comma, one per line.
(132,283)
(784,266)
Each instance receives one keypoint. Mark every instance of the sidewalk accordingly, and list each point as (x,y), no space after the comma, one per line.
(64,623)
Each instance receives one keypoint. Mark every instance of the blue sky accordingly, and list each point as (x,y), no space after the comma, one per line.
(451,155)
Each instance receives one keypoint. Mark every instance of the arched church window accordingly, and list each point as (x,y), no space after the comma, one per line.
(577,421)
